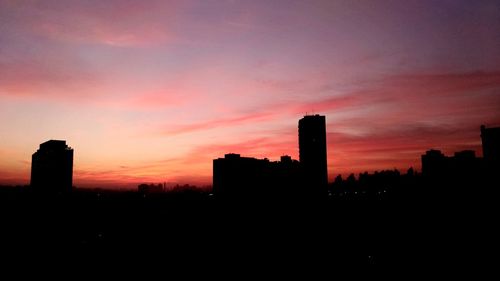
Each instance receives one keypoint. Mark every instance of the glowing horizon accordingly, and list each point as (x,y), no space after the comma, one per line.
(153,91)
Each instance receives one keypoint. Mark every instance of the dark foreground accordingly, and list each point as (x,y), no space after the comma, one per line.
(200,228)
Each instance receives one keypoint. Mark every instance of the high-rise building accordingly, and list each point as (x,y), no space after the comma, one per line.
(312,153)
(490,138)
(52,167)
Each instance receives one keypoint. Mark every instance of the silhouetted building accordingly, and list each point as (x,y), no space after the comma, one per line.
(465,160)
(150,188)
(490,138)
(312,153)
(434,163)
(452,175)
(234,175)
(52,167)
(285,176)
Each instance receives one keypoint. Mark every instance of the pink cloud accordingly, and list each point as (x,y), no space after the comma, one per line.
(216,123)
(397,147)
(395,99)
(101,33)
(114,23)
(443,84)
(154,100)
(454,98)
(150,100)
(36,78)
(330,104)
(266,113)
(420,95)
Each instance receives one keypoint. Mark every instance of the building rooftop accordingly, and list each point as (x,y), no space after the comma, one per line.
(54,144)
(490,130)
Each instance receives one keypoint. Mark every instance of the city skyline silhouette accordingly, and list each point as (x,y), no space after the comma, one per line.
(250,136)
(489,139)
(237,176)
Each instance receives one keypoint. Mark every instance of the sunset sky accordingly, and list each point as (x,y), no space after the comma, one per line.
(152,91)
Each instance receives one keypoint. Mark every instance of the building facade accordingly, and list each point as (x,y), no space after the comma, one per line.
(52,167)
(313,153)
(490,138)
(234,175)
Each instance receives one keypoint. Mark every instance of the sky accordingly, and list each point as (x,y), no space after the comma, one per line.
(153,91)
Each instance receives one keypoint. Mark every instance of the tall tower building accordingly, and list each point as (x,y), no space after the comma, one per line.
(312,153)
(490,138)
(52,167)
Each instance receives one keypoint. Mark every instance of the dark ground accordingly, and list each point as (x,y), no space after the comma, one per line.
(202,229)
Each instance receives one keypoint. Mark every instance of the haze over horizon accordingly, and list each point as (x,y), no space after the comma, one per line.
(152,91)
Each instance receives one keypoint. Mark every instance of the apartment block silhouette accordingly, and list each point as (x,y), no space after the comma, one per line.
(52,167)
